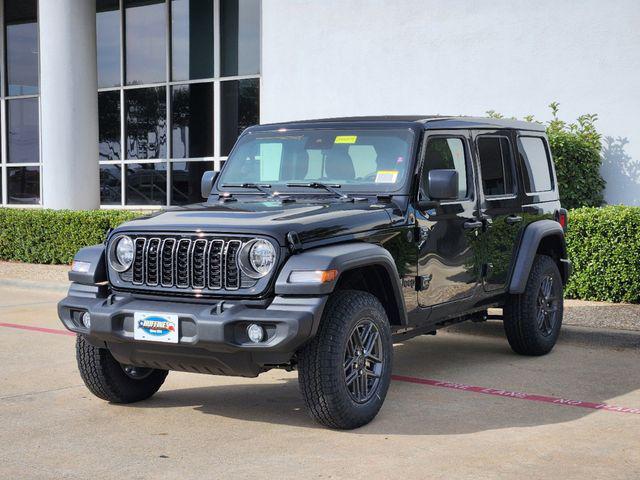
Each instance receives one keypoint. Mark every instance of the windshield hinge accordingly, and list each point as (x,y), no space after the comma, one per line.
(293,240)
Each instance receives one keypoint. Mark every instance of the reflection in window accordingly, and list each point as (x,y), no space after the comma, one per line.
(109,125)
(185,181)
(146,126)
(110,184)
(23,185)
(192,120)
(22,130)
(496,165)
(240,37)
(108,42)
(21,18)
(146,183)
(191,39)
(534,157)
(240,109)
(146,39)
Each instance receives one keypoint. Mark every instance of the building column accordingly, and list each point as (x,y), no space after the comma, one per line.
(69,104)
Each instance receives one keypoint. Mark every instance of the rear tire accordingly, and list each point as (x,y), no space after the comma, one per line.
(345,370)
(109,380)
(532,320)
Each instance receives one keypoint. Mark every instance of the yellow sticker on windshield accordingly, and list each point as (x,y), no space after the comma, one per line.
(346,139)
(386,176)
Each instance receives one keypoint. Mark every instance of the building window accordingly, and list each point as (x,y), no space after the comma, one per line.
(20,162)
(178,82)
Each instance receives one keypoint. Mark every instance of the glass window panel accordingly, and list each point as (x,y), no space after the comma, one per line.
(535,159)
(185,181)
(22,46)
(145,30)
(240,109)
(146,183)
(496,165)
(110,184)
(191,39)
(109,125)
(22,130)
(446,153)
(192,120)
(108,42)
(240,37)
(23,185)
(146,123)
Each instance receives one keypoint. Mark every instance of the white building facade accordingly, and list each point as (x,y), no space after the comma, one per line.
(124,103)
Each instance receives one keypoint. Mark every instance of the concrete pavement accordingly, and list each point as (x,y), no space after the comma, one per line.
(216,427)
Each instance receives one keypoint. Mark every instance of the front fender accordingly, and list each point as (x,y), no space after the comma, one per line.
(342,257)
(95,257)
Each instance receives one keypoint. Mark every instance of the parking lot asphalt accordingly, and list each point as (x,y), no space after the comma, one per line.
(461,406)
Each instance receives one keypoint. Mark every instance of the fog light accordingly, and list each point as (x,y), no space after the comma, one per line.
(255,333)
(86,320)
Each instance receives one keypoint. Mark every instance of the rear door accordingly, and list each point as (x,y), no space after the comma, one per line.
(500,205)
(446,264)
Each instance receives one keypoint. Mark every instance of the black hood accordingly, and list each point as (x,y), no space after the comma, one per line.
(311,219)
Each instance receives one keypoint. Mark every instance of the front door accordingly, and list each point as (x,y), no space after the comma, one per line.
(446,264)
(499,204)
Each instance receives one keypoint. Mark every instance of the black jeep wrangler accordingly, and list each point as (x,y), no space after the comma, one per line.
(320,243)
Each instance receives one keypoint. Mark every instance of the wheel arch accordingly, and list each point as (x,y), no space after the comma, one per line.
(544,237)
(360,266)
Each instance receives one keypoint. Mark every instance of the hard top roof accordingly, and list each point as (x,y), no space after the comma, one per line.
(427,122)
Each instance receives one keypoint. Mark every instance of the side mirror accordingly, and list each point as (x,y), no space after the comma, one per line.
(441,185)
(206,185)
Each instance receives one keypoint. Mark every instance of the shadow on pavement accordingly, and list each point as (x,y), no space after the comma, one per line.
(483,359)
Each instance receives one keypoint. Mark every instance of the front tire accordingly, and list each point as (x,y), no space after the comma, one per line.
(345,370)
(109,380)
(532,320)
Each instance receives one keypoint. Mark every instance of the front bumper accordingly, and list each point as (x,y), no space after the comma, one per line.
(212,335)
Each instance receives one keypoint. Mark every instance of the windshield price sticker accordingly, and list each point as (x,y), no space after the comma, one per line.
(346,139)
(386,176)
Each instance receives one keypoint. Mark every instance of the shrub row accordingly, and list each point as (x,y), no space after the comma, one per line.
(604,246)
(603,243)
(54,236)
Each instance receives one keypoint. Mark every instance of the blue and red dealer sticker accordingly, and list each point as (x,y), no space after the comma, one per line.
(155,327)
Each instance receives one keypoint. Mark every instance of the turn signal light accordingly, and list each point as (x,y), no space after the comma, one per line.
(313,276)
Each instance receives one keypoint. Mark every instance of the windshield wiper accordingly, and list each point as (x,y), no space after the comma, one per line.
(262,187)
(328,187)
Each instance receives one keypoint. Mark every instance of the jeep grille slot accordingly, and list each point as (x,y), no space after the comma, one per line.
(138,261)
(199,264)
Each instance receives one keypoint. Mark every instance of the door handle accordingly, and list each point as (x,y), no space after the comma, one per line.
(472,224)
(511,219)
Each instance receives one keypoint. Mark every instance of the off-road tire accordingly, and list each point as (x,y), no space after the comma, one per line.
(106,379)
(321,361)
(520,313)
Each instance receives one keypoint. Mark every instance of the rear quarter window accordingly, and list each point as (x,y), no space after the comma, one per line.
(535,158)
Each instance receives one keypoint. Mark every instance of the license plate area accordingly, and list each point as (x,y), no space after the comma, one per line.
(155,327)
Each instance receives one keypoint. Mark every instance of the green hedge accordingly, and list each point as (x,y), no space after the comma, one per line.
(53,236)
(604,246)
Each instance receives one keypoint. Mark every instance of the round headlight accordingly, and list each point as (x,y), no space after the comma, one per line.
(123,253)
(258,258)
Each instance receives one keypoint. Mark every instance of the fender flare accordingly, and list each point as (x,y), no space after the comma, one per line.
(531,238)
(342,257)
(95,257)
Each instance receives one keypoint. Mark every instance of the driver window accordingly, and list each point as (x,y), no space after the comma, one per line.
(446,153)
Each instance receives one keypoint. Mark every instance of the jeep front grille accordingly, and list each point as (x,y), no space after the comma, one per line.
(186,263)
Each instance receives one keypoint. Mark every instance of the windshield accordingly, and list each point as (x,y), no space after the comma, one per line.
(363,160)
